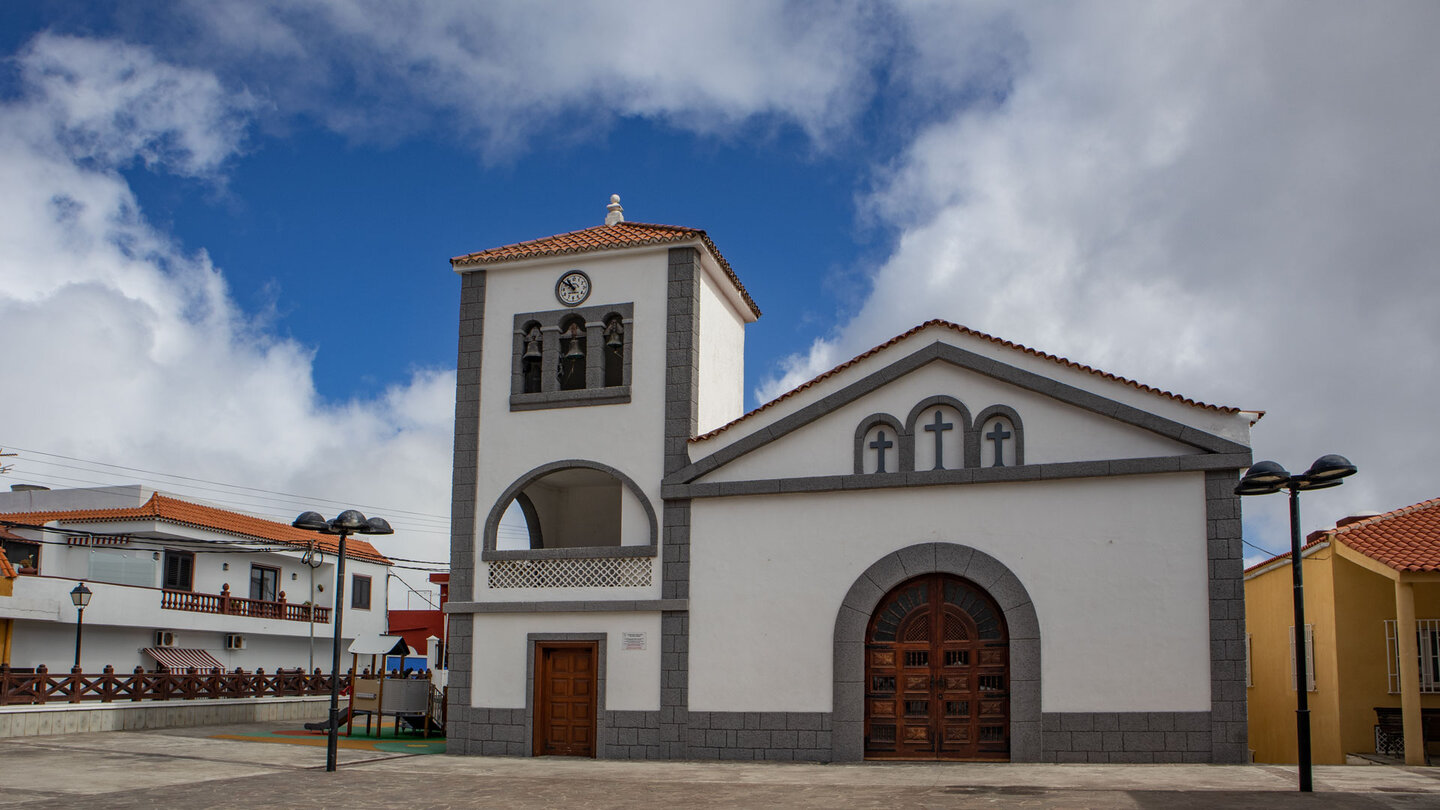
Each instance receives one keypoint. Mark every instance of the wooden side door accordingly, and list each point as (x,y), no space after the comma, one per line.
(565,698)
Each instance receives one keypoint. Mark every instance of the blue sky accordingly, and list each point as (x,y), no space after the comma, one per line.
(223,255)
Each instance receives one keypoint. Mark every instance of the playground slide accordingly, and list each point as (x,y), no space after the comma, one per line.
(324,725)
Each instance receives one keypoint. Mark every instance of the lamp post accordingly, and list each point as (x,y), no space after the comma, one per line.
(345,524)
(80,597)
(1267,477)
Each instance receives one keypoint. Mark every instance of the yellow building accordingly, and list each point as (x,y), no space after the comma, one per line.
(7,588)
(1363,579)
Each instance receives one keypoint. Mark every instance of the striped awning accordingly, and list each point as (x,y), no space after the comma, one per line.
(179,659)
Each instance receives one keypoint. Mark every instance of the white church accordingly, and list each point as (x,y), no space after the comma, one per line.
(950,547)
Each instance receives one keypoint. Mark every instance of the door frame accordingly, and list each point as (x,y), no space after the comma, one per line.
(534,642)
(871,585)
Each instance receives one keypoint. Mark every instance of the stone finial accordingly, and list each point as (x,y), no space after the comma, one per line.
(613,212)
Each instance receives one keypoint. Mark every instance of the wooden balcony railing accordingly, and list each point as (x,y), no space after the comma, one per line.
(40,686)
(229,605)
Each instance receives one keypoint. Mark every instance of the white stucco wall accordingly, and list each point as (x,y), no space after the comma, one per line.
(627,437)
(1054,431)
(53,644)
(1116,567)
(722,358)
(1235,427)
(501,654)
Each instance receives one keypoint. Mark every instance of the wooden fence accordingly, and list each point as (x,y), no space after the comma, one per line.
(41,686)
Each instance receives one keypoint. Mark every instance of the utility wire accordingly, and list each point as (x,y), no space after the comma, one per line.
(142,543)
(305,498)
(50,478)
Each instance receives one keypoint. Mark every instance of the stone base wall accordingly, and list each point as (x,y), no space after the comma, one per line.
(1126,737)
(486,732)
(76,718)
(629,735)
(785,736)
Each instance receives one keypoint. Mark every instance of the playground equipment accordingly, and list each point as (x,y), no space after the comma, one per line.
(374,694)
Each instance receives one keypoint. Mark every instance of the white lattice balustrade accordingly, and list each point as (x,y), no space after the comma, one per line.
(584,572)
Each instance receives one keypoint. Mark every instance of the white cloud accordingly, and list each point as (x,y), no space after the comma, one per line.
(1232,201)
(498,73)
(129,349)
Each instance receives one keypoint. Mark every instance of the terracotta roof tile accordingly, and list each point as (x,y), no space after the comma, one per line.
(173,510)
(603,237)
(7,571)
(964,330)
(1406,539)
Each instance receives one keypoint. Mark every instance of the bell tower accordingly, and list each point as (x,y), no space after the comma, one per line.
(587,362)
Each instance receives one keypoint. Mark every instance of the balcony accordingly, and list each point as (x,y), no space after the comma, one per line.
(225,604)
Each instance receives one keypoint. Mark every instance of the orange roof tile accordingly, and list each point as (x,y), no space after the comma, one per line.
(1406,539)
(964,330)
(7,570)
(173,510)
(603,237)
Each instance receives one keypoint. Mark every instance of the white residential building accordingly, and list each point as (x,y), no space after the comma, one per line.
(176,582)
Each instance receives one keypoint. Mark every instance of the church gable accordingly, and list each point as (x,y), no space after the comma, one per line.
(929,410)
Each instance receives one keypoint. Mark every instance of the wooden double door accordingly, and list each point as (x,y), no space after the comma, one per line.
(937,674)
(565,698)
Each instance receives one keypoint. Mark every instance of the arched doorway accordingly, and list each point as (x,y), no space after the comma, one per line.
(937,673)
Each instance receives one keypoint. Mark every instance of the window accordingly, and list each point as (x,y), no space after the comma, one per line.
(179,570)
(1427,648)
(570,357)
(360,592)
(22,554)
(264,582)
(1309,657)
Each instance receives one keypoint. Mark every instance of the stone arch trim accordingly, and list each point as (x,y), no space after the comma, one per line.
(968,435)
(532,519)
(1008,413)
(848,723)
(492,521)
(905,447)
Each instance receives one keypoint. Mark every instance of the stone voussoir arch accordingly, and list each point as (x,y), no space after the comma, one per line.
(848,718)
(497,511)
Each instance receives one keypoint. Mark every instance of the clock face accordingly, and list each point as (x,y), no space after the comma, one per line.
(572,288)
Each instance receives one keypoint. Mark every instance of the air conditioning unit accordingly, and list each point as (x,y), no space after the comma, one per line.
(234,641)
(164,638)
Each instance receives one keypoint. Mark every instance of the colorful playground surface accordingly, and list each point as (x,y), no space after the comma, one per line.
(382,739)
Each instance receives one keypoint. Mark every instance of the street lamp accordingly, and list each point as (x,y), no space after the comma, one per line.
(345,524)
(1264,478)
(80,597)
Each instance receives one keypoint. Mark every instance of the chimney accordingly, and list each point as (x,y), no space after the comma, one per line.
(613,212)
(1356,518)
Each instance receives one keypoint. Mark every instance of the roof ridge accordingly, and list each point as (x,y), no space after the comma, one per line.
(965,330)
(1393,513)
(1319,541)
(588,240)
(170,509)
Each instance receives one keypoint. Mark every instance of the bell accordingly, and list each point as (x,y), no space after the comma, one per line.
(613,339)
(573,350)
(532,350)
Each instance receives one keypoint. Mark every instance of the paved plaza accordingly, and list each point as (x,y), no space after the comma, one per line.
(193,768)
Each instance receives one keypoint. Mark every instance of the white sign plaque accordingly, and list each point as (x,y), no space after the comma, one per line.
(632,641)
